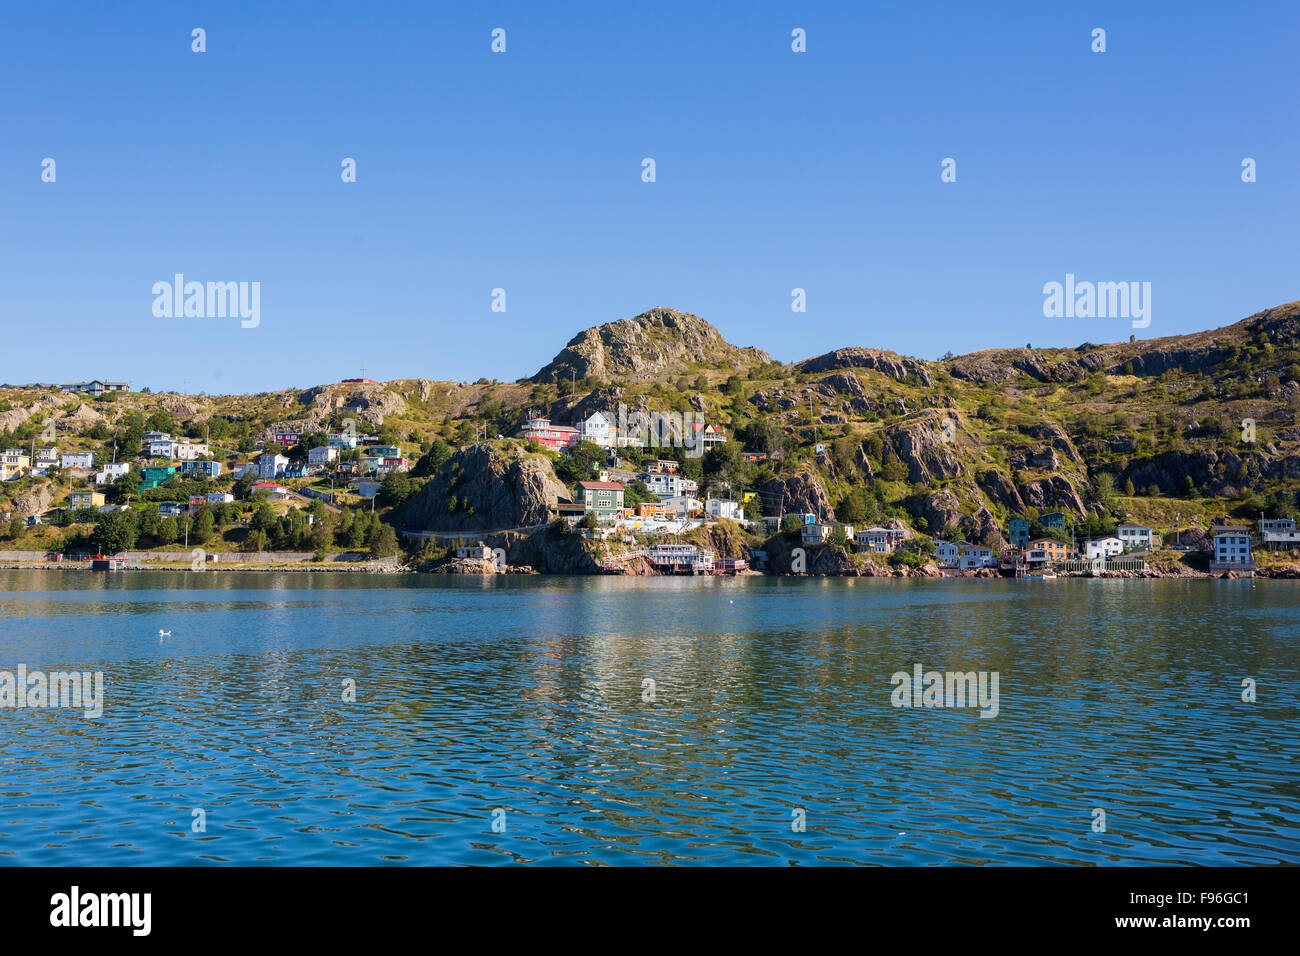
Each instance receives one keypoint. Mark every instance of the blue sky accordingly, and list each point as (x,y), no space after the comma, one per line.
(522,171)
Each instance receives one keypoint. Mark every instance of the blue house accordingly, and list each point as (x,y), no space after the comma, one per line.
(208,469)
(1018,529)
(1053,519)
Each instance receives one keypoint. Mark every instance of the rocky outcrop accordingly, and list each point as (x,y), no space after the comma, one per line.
(1001,490)
(798,493)
(1054,493)
(486,487)
(34,501)
(653,345)
(895,366)
(924,448)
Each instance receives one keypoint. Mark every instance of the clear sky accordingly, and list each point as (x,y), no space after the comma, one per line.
(523,171)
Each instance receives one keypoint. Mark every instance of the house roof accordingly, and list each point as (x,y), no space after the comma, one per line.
(601,485)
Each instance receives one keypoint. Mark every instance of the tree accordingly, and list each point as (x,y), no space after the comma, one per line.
(383,541)
(791,524)
(116,531)
(16,528)
(203,527)
(439,451)
(168,530)
(396,488)
(838,538)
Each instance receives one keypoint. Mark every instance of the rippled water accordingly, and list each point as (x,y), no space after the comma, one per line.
(526,694)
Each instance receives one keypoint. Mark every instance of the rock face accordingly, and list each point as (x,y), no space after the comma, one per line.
(801,493)
(1054,493)
(1001,490)
(896,366)
(654,344)
(921,446)
(374,401)
(817,561)
(486,487)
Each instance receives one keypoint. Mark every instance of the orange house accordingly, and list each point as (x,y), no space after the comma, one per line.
(1052,549)
(651,509)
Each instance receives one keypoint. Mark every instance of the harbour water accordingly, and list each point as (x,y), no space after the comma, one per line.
(648,721)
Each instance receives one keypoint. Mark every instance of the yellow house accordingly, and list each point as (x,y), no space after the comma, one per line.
(746,496)
(85,499)
(13,463)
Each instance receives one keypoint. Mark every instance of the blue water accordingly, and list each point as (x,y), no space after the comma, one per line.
(524,695)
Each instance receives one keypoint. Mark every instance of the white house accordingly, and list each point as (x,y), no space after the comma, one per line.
(1136,537)
(1103,548)
(878,540)
(682,505)
(1265,524)
(322,455)
(78,459)
(598,429)
(1282,539)
(475,552)
(976,556)
(364,487)
(46,457)
(341,440)
(948,553)
(1232,547)
(271,466)
(220,498)
(670,486)
(818,533)
(190,451)
(110,471)
(241,468)
(722,508)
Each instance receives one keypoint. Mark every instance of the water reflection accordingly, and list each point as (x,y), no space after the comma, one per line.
(527,694)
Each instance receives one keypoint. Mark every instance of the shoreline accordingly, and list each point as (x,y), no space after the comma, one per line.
(1279,572)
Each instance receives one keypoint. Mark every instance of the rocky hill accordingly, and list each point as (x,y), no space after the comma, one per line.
(1176,428)
(655,344)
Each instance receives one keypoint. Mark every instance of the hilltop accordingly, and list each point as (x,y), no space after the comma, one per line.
(1150,429)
